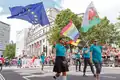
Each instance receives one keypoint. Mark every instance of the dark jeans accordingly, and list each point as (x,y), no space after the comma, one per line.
(42,66)
(1,67)
(86,62)
(78,63)
(19,65)
(98,67)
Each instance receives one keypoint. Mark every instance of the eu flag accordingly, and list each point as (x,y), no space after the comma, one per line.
(33,13)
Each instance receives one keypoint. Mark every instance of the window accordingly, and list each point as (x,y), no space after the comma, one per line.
(43,40)
(40,41)
(5,41)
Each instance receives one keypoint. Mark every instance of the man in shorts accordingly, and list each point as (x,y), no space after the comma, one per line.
(96,57)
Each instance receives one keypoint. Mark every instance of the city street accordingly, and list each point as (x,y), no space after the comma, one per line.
(36,74)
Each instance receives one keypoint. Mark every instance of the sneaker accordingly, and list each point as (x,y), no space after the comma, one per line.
(84,75)
(94,75)
(55,77)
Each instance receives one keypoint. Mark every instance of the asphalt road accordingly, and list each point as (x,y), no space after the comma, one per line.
(36,74)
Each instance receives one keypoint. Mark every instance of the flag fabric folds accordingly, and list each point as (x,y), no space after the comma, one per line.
(90,19)
(33,13)
(73,42)
(70,31)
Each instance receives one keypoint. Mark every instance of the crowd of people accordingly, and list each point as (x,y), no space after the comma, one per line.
(93,54)
(63,57)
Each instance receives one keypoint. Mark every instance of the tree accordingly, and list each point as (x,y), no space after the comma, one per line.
(117,25)
(62,20)
(118,18)
(104,32)
(10,51)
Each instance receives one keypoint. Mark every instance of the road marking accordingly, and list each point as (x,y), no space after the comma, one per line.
(2,77)
(109,77)
(25,78)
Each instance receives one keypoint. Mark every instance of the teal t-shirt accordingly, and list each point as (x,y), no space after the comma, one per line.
(86,55)
(42,58)
(77,55)
(60,50)
(68,51)
(19,62)
(96,53)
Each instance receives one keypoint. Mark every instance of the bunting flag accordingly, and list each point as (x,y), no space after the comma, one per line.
(90,18)
(33,13)
(37,45)
(70,31)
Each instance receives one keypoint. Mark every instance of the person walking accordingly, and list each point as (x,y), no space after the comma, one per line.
(86,57)
(96,57)
(60,65)
(77,59)
(2,60)
(42,57)
(19,62)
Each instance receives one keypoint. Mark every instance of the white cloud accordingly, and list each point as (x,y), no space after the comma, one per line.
(109,8)
(15,25)
(1,9)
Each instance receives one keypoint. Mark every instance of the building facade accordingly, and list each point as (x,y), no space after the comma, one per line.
(37,39)
(21,42)
(4,36)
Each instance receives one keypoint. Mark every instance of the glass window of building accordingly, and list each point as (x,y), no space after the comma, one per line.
(43,40)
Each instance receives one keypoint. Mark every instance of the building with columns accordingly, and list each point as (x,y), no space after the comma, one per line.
(21,37)
(37,41)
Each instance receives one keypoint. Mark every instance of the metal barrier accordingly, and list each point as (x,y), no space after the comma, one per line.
(27,63)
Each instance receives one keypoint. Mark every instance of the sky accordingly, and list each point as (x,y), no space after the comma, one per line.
(109,8)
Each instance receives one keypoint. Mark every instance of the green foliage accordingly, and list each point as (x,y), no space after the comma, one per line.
(103,32)
(117,26)
(62,20)
(118,18)
(10,51)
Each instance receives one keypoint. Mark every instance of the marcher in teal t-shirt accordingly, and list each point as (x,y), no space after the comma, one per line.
(61,64)
(77,59)
(86,53)
(60,50)
(42,58)
(86,56)
(96,53)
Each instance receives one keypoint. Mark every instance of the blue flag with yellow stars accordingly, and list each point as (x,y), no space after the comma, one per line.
(33,13)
